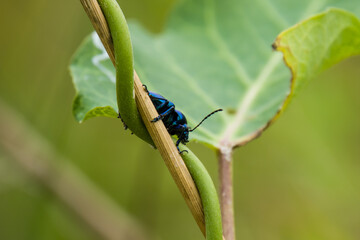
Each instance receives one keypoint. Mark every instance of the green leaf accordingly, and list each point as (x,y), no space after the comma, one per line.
(94,79)
(317,44)
(217,54)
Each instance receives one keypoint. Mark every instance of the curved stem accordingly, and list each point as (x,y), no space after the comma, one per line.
(207,193)
(226,192)
(157,130)
(124,64)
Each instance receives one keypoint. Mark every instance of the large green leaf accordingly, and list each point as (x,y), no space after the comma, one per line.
(217,54)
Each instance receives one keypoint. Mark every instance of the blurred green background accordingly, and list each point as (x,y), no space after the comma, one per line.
(300,180)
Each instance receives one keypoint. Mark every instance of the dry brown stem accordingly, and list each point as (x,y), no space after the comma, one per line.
(157,130)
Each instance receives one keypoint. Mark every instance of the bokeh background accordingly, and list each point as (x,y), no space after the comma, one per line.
(299,181)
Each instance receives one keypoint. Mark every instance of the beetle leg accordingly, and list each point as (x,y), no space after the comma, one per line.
(162,104)
(177,146)
(161,116)
(145,88)
(125,126)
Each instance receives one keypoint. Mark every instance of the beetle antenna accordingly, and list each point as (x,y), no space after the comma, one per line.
(219,110)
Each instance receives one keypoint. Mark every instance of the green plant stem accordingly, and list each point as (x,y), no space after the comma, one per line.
(158,132)
(226,192)
(208,194)
(124,64)
(129,113)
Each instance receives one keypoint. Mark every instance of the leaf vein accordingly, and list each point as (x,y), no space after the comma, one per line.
(188,79)
(234,62)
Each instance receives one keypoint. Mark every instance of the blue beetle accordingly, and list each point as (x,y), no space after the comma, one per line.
(174,120)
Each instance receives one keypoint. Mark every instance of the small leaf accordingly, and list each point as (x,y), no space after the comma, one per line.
(317,44)
(94,79)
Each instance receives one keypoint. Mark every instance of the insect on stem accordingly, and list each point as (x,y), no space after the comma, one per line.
(174,120)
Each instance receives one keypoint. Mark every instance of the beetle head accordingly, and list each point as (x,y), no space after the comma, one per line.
(185,134)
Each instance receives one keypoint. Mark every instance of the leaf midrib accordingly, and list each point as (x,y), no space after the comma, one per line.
(246,102)
(249,97)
